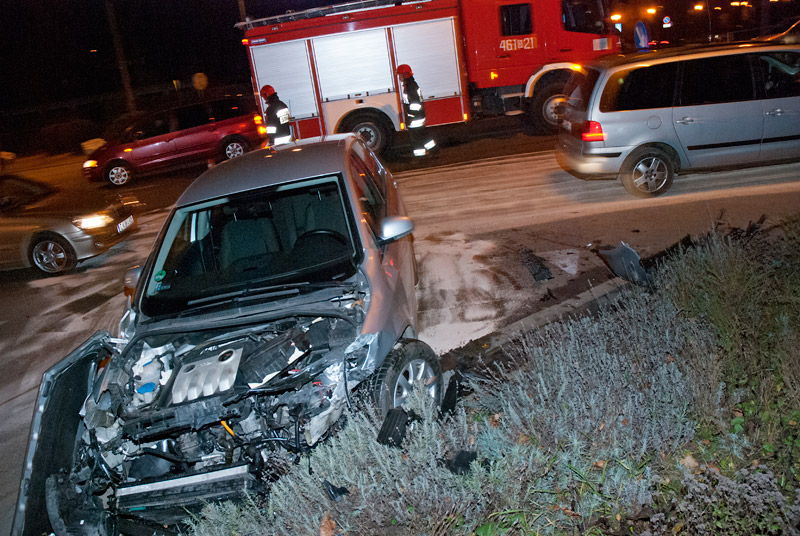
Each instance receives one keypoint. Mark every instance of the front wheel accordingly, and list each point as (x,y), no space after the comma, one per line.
(647,172)
(119,174)
(51,255)
(410,364)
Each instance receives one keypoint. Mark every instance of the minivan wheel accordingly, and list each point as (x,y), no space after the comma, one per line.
(410,364)
(234,148)
(647,172)
(119,174)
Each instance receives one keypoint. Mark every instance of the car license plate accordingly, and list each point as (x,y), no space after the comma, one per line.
(567,125)
(124,224)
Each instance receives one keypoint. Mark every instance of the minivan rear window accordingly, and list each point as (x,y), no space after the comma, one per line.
(640,88)
(579,88)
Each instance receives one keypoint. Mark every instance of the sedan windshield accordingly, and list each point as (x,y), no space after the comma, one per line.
(283,235)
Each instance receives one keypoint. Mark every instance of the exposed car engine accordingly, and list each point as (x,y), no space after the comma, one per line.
(177,420)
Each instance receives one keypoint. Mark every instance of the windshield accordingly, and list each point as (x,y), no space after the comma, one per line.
(292,233)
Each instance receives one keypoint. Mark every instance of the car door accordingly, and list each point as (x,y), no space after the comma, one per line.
(195,138)
(780,70)
(149,142)
(717,118)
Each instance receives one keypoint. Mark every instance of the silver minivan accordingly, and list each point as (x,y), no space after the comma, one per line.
(643,117)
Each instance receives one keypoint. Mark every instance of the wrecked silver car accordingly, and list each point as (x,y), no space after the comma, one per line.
(281,281)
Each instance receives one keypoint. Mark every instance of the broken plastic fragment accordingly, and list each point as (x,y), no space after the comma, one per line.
(625,263)
(267,378)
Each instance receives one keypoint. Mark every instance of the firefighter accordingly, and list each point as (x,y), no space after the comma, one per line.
(414,110)
(277,117)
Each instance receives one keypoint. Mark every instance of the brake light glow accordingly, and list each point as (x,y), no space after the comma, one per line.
(592,131)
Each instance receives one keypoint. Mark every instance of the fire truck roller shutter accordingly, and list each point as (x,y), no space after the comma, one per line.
(430,49)
(353,64)
(285,66)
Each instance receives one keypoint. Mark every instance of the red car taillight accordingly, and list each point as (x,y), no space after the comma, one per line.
(592,131)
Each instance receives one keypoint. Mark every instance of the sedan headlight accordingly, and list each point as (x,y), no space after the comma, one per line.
(90,164)
(93,221)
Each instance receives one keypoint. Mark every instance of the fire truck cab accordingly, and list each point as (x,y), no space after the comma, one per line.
(335,67)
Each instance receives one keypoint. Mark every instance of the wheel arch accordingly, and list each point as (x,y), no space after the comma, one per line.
(552,72)
(673,153)
(115,161)
(353,115)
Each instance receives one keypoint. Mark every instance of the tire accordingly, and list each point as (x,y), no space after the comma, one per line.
(52,255)
(410,362)
(119,173)
(373,129)
(234,148)
(647,172)
(542,107)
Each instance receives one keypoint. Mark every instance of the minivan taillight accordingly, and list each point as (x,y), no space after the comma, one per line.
(592,131)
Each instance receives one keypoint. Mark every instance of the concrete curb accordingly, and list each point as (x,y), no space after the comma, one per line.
(585,302)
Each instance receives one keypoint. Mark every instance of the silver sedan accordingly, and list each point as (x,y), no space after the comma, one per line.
(52,230)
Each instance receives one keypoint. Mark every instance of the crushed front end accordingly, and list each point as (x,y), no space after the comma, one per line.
(179,419)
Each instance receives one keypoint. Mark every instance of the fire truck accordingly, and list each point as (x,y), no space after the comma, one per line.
(335,66)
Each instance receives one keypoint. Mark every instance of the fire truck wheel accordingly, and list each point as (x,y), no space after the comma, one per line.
(373,128)
(543,107)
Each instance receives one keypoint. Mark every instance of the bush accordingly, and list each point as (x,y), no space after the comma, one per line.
(580,430)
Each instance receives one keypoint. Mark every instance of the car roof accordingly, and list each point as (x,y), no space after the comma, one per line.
(310,157)
(687,51)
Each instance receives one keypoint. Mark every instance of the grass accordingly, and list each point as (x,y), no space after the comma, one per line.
(674,411)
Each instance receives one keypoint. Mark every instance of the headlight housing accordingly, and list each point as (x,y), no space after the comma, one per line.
(90,164)
(93,221)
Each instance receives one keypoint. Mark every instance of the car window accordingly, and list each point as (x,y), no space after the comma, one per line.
(640,88)
(781,74)
(584,16)
(229,108)
(579,87)
(716,80)
(374,166)
(516,19)
(154,125)
(370,198)
(191,116)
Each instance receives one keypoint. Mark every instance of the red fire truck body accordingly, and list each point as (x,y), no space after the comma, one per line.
(335,66)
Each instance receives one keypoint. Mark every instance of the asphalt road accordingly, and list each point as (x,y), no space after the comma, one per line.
(491,203)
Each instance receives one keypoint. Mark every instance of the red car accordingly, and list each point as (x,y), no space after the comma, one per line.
(186,135)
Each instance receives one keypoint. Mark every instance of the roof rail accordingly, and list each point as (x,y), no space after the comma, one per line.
(315,12)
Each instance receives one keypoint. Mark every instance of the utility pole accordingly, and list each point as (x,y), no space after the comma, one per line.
(242,12)
(122,64)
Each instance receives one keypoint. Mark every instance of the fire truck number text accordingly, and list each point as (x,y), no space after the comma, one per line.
(526,43)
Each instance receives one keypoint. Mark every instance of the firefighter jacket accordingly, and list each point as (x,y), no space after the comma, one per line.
(412,103)
(277,117)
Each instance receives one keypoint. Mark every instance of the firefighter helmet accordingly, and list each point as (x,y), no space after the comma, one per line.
(404,70)
(266,91)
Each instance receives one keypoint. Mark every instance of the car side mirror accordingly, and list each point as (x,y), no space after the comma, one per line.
(393,228)
(130,281)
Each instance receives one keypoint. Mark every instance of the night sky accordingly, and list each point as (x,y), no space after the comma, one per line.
(58,50)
